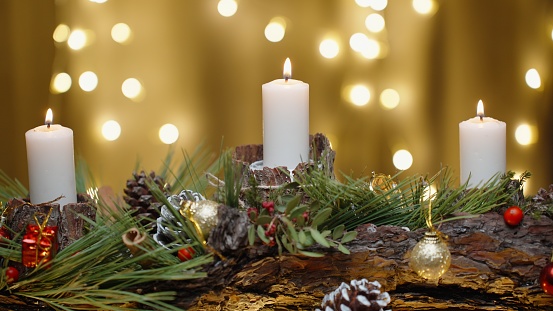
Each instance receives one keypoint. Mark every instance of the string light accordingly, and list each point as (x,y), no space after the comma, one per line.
(77,39)
(111,130)
(121,33)
(132,88)
(329,48)
(533,79)
(275,29)
(227,8)
(402,159)
(359,95)
(525,134)
(379,5)
(425,7)
(168,134)
(61,33)
(61,83)
(389,99)
(88,81)
(375,22)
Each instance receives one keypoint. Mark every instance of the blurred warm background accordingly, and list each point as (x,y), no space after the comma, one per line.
(384,76)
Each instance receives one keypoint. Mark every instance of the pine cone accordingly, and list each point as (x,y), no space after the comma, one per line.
(167,228)
(143,204)
(359,295)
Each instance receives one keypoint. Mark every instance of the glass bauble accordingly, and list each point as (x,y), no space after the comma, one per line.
(430,257)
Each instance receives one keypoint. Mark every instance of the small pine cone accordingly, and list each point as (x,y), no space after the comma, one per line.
(359,295)
(142,203)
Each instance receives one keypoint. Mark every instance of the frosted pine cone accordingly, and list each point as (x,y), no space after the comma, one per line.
(359,295)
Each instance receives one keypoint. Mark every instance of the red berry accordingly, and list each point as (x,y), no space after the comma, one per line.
(513,215)
(185,254)
(12,275)
(268,205)
(305,215)
(546,279)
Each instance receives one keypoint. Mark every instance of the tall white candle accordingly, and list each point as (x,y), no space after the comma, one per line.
(51,163)
(285,121)
(482,145)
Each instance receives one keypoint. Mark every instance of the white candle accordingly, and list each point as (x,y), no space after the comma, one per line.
(51,163)
(482,146)
(285,121)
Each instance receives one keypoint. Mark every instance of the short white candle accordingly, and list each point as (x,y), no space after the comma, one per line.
(482,145)
(51,163)
(285,121)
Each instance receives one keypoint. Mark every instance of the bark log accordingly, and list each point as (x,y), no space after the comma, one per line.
(494,267)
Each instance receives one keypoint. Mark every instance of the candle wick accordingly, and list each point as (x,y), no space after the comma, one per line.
(481,117)
(286,79)
(48,124)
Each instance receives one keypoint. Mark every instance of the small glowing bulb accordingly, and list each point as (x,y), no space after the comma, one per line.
(329,48)
(61,83)
(525,134)
(77,39)
(379,5)
(375,22)
(402,159)
(363,3)
(359,95)
(111,130)
(88,81)
(389,99)
(168,134)
(227,8)
(61,33)
(371,50)
(358,42)
(424,7)
(533,79)
(131,88)
(121,33)
(275,30)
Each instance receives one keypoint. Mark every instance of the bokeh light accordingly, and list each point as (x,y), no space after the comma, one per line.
(526,134)
(375,22)
(389,99)
(371,50)
(111,130)
(425,7)
(99,1)
(358,42)
(329,48)
(131,88)
(227,8)
(359,95)
(363,3)
(402,159)
(379,5)
(61,33)
(275,30)
(168,133)
(121,33)
(88,81)
(61,83)
(533,79)
(77,39)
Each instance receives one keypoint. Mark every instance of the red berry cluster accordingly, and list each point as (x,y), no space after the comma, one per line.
(12,274)
(269,206)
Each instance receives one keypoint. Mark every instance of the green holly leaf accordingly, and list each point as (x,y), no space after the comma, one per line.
(251,234)
(264,219)
(292,203)
(318,237)
(349,236)
(302,238)
(310,254)
(261,234)
(325,233)
(343,249)
(321,216)
(338,232)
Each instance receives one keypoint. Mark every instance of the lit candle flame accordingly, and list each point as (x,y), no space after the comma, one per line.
(49,118)
(480,109)
(287,72)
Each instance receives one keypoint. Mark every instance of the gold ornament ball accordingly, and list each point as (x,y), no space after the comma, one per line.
(202,213)
(430,257)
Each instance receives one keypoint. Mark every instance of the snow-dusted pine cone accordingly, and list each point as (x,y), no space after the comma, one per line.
(142,203)
(167,225)
(359,295)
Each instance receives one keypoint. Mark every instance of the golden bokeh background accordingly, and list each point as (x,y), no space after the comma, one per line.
(202,72)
